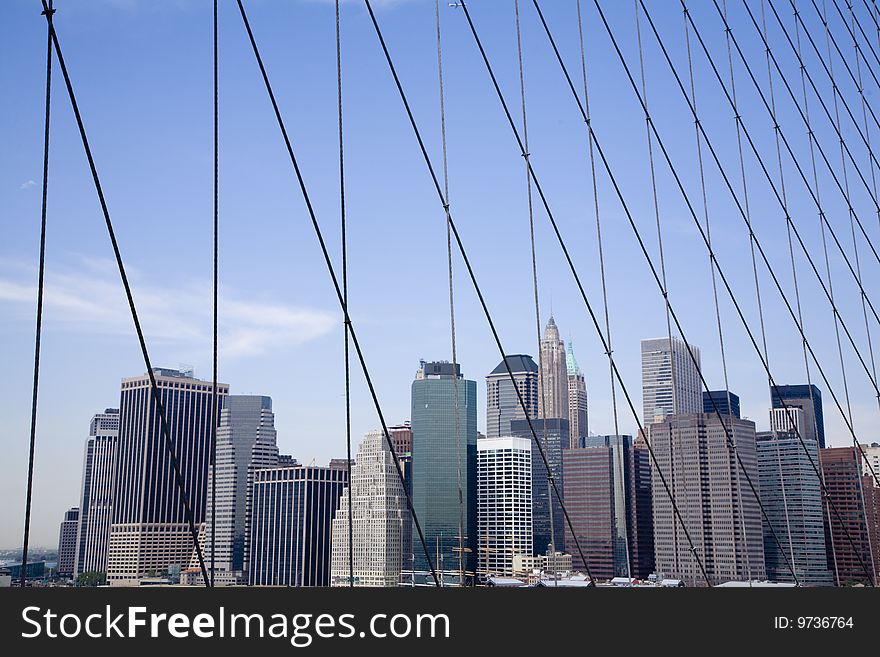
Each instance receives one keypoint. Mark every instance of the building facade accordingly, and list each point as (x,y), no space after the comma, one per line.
(293,510)
(444,468)
(577,400)
(378,513)
(553,375)
(671,382)
(852,518)
(149,531)
(547,517)
(504,503)
(502,401)
(96,493)
(791,494)
(67,544)
(808,398)
(722,515)
(246,442)
(608,496)
(721,401)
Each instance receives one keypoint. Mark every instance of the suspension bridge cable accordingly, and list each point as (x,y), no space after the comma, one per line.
(831,121)
(787,216)
(846,395)
(334,280)
(655,275)
(773,187)
(873,185)
(160,407)
(686,198)
(541,376)
(344,241)
(712,269)
(48,12)
(595,188)
(455,392)
(214,397)
(850,30)
(794,273)
(583,294)
(807,123)
(730,188)
(828,40)
(664,291)
(472,275)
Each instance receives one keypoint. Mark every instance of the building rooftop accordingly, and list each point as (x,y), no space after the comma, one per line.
(517,363)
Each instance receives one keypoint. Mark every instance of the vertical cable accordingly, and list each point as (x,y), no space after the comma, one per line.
(345,323)
(665,289)
(48,13)
(455,391)
(542,378)
(215,416)
(595,187)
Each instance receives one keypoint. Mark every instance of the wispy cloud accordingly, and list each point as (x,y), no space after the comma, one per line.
(90,298)
(27,184)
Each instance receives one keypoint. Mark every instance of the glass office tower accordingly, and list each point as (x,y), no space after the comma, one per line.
(444,439)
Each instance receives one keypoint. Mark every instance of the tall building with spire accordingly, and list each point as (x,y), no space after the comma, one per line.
(577,399)
(552,375)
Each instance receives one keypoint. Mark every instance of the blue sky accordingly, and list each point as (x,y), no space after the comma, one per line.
(142,73)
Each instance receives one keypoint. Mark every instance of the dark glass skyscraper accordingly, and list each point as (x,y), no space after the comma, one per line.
(444,439)
(721,405)
(149,532)
(547,517)
(808,398)
(608,496)
(293,511)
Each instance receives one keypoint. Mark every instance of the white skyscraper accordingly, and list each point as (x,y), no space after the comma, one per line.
(788,420)
(378,506)
(552,375)
(670,381)
(577,400)
(246,441)
(504,503)
(96,494)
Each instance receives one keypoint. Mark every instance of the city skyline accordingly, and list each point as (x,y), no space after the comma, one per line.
(88,336)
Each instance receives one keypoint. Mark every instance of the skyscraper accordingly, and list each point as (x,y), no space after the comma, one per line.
(149,531)
(504,503)
(401,438)
(607,491)
(96,494)
(808,398)
(67,543)
(852,521)
(293,510)
(246,442)
(444,447)
(553,375)
(721,513)
(721,401)
(670,381)
(577,399)
(547,516)
(378,512)
(502,401)
(791,494)
(790,420)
